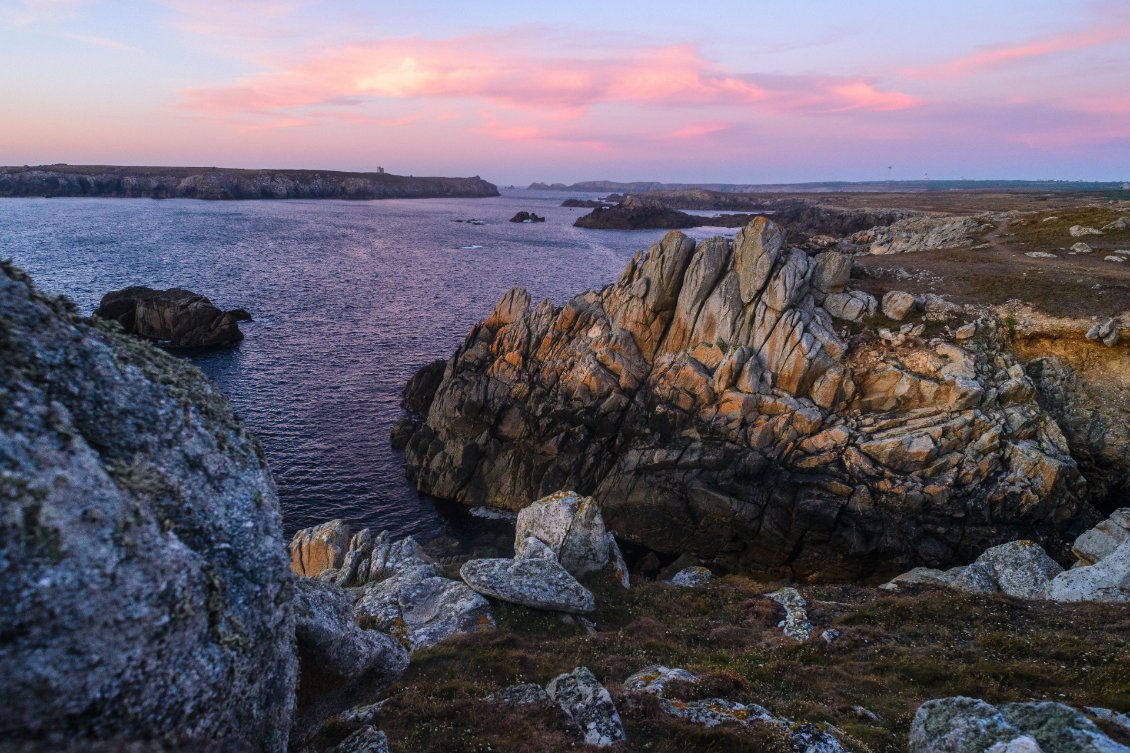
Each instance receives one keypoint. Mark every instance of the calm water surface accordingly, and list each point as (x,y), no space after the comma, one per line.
(349,299)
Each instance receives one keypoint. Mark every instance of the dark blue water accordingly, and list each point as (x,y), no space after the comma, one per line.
(349,299)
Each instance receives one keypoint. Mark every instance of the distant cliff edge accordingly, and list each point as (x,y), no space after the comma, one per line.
(229,183)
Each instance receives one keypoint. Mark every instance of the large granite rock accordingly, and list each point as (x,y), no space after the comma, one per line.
(573,528)
(534,579)
(969,725)
(144,582)
(925,234)
(707,400)
(1106,580)
(181,318)
(331,552)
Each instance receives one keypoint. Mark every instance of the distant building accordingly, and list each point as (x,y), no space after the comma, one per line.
(380,170)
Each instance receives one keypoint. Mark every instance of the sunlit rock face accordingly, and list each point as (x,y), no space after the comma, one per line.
(145,585)
(711,403)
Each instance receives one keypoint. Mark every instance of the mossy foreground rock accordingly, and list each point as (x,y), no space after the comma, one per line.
(143,576)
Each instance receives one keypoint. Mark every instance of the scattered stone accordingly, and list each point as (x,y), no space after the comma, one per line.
(1122,223)
(969,725)
(897,304)
(692,577)
(588,704)
(965,331)
(830,635)
(1108,333)
(524,694)
(536,579)
(712,712)
(422,609)
(179,317)
(1081,248)
(1041,255)
(654,679)
(365,740)
(329,639)
(572,527)
(795,624)
(1080,231)
(1119,259)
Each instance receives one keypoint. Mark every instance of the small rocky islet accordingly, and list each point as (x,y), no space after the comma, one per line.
(770,444)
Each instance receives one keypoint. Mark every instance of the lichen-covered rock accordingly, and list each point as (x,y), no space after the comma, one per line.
(179,317)
(572,527)
(535,579)
(654,679)
(319,548)
(969,725)
(523,694)
(333,553)
(691,577)
(708,401)
(796,624)
(1020,568)
(712,712)
(588,704)
(924,234)
(1106,580)
(365,740)
(1101,541)
(422,609)
(144,582)
(330,639)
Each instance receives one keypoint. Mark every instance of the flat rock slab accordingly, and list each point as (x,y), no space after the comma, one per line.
(691,577)
(795,624)
(536,580)
(654,679)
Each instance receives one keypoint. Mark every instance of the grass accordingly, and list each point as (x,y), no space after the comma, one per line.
(1045,234)
(894,652)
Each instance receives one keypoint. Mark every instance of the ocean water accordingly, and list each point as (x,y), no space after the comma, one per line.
(348,299)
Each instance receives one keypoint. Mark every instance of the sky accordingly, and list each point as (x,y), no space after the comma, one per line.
(706,91)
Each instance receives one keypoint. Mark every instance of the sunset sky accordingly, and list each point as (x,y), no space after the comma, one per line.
(679,91)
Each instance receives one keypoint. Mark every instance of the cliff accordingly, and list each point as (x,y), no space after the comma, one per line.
(228,183)
(713,404)
(145,583)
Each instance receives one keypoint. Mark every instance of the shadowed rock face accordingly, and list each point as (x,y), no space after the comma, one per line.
(179,317)
(145,584)
(708,403)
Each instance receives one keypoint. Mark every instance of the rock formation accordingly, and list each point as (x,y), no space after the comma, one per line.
(145,586)
(634,213)
(228,183)
(924,234)
(181,318)
(710,405)
(527,217)
(534,579)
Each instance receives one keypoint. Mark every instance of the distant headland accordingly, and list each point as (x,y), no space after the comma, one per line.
(886,186)
(219,183)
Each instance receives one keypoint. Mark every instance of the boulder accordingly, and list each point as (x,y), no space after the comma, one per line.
(1106,580)
(145,588)
(1080,231)
(588,705)
(1103,539)
(1081,248)
(969,725)
(365,740)
(319,548)
(795,624)
(179,317)
(332,553)
(572,527)
(691,577)
(853,306)
(654,679)
(535,579)
(1122,223)
(330,640)
(422,608)
(918,234)
(831,272)
(897,304)
(1021,569)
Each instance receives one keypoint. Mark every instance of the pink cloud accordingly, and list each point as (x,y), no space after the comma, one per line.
(1112,31)
(510,70)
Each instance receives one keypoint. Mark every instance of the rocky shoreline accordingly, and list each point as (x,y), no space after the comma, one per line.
(228,183)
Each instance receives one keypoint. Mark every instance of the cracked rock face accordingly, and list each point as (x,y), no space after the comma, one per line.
(145,585)
(708,403)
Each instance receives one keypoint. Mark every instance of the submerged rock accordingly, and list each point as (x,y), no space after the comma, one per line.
(179,317)
(535,579)
(707,400)
(588,704)
(145,588)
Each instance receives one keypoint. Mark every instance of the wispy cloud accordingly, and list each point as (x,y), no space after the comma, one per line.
(27,12)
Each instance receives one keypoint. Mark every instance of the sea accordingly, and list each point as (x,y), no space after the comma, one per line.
(349,299)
